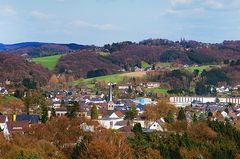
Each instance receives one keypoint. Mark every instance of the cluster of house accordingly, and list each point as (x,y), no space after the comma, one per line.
(215,108)
(227,89)
(219,110)
(17,123)
(3,91)
(111,112)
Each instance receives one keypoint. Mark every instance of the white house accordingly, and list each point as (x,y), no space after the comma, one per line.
(156,125)
(87,128)
(3,91)
(3,121)
(110,122)
(153,85)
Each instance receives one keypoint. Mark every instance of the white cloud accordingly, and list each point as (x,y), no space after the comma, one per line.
(81,23)
(214,4)
(180,1)
(7,10)
(39,14)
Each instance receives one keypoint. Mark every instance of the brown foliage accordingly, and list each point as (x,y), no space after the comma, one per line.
(201,131)
(78,64)
(15,68)
(154,112)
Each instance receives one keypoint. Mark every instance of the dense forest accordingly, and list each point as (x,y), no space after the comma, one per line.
(19,71)
(81,64)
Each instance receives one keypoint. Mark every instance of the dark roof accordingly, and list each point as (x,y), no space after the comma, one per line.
(126,130)
(121,123)
(140,107)
(17,126)
(28,118)
(3,118)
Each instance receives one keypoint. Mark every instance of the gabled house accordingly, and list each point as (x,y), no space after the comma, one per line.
(126,130)
(15,127)
(110,121)
(3,121)
(117,114)
(156,126)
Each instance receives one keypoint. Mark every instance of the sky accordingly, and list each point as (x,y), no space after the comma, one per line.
(100,22)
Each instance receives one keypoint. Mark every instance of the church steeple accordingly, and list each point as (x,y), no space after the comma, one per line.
(110,97)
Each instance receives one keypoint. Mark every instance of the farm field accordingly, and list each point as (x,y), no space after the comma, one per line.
(157,90)
(201,68)
(145,64)
(49,62)
(115,78)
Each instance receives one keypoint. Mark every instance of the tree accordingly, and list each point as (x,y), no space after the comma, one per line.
(181,114)
(195,72)
(70,81)
(131,114)
(72,110)
(161,109)
(194,118)
(53,81)
(44,112)
(94,112)
(53,112)
(137,128)
(169,118)
(201,89)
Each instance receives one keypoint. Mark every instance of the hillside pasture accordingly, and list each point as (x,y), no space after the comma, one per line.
(49,62)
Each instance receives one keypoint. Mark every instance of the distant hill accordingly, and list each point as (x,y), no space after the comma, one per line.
(17,69)
(82,63)
(39,49)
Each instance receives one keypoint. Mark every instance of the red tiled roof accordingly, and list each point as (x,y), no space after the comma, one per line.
(17,126)
(119,114)
(3,118)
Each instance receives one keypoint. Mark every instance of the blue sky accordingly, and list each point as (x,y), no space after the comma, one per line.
(105,21)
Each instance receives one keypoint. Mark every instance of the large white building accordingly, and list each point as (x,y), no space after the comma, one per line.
(185,101)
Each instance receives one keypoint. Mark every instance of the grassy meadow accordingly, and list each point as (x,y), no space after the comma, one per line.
(49,62)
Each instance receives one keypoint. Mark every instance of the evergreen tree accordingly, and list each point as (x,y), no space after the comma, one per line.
(94,112)
(53,112)
(72,110)
(44,109)
(195,118)
(131,114)
(181,114)
(169,117)
(137,128)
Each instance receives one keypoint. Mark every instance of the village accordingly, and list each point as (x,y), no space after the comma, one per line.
(120,114)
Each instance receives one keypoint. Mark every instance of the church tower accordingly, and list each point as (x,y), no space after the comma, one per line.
(110,97)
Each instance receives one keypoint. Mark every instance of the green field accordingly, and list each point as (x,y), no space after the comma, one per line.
(164,64)
(115,78)
(200,68)
(49,62)
(6,99)
(157,90)
(109,78)
(145,64)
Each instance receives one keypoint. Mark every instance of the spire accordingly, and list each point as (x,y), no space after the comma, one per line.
(110,98)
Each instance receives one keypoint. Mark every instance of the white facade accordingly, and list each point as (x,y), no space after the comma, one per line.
(4,123)
(186,101)
(156,126)
(109,123)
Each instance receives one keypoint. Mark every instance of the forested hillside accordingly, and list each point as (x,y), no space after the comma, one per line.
(18,70)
